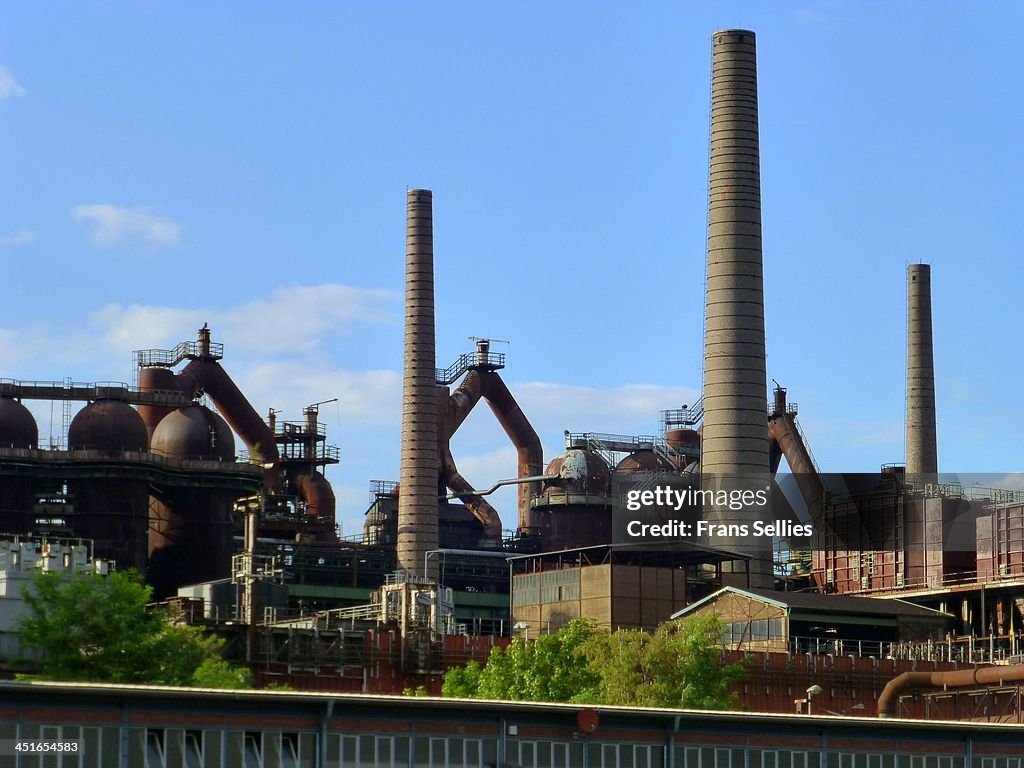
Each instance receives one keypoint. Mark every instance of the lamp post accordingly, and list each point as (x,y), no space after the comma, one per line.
(522,626)
(813,691)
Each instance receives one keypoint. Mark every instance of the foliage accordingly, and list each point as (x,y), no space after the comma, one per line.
(552,668)
(217,673)
(679,665)
(93,628)
(462,682)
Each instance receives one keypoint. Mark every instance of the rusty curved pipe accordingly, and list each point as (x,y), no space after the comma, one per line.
(782,430)
(479,506)
(462,401)
(204,374)
(953,679)
(316,491)
(524,438)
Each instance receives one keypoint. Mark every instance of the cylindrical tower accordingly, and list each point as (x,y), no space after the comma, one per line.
(418,473)
(18,432)
(191,526)
(110,506)
(735,433)
(922,455)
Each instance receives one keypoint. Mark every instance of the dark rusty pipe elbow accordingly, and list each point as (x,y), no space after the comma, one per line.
(476,504)
(523,436)
(206,375)
(782,431)
(316,491)
(462,401)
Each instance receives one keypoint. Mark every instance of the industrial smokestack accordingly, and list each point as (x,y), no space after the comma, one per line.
(418,474)
(734,446)
(922,455)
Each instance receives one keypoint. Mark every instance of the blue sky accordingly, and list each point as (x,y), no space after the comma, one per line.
(169,164)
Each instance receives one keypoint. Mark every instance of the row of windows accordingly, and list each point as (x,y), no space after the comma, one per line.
(101,747)
(758,629)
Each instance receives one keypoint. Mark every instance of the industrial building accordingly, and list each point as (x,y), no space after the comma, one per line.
(245,542)
(122,727)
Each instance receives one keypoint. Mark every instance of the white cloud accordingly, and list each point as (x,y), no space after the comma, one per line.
(292,318)
(365,398)
(111,225)
(8,85)
(631,407)
(21,237)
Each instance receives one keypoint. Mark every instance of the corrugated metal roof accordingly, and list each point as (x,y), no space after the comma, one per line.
(817,602)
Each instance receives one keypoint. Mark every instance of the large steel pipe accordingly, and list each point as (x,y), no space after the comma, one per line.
(997,675)
(530,453)
(206,375)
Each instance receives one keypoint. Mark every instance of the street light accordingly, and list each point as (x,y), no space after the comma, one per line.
(522,626)
(813,691)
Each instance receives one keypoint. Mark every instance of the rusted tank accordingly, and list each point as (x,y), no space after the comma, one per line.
(107,425)
(156,380)
(574,510)
(190,528)
(17,426)
(110,510)
(194,432)
(644,461)
(18,431)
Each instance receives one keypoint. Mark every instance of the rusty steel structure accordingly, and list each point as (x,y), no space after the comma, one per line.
(418,472)
(734,446)
(921,452)
(959,678)
(482,381)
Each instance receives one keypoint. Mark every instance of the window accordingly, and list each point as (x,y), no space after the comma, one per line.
(193,749)
(156,755)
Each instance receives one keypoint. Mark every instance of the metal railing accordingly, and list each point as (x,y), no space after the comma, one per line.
(168,358)
(683,417)
(89,391)
(492,361)
(380,488)
(140,457)
(606,445)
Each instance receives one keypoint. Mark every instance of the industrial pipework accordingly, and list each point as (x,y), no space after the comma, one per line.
(784,433)
(996,675)
(921,453)
(204,374)
(419,469)
(734,441)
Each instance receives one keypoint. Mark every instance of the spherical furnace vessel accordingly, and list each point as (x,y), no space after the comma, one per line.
(644,461)
(156,380)
(194,432)
(110,507)
(575,509)
(17,427)
(18,432)
(686,442)
(191,527)
(107,425)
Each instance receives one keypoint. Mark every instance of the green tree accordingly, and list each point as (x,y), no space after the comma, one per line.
(552,668)
(217,673)
(678,665)
(95,628)
(687,657)
(462,682)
